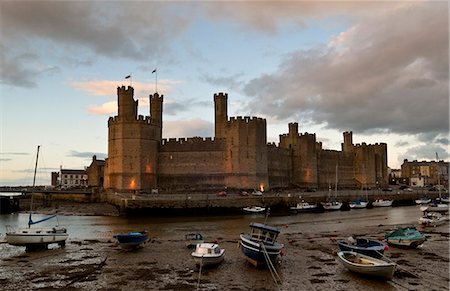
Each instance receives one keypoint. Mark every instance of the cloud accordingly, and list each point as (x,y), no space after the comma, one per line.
(387,73)
(188,128)
(86,155)
(107,108)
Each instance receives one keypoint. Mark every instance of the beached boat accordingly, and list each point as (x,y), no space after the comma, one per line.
(369,247)
(254,209)
(207,254)
(445,200)
(405,236)
(331,205)
(304,207)
(132,240)
(192,239)
(435,207)
(260,246)
(382,203)
(358,204)
(423,200)
(367,265)
(432,219)
(36,237)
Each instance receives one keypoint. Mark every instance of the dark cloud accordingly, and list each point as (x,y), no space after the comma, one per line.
(175,107)
(228,83)
(133,30)
(386,73)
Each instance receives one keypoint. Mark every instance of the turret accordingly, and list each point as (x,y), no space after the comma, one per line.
(347,146)
(221,114)
(127,105)
(293,128)
(156,109)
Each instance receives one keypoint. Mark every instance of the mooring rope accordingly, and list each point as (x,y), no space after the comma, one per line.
(273,272)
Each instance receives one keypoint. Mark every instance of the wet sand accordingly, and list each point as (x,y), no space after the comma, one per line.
(309,263)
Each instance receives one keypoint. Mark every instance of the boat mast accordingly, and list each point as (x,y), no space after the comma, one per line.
(34,178)
(438,174)
(336,182)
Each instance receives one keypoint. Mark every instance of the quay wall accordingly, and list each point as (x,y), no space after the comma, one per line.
(158,203)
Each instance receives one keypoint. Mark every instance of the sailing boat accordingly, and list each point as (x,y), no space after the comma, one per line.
(359,203)
(332,203)
(436,206)
(36,238)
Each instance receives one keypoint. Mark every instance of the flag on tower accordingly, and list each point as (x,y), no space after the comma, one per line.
(154,71)
(127,77)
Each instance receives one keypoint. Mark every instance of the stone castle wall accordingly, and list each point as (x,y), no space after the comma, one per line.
(238,157)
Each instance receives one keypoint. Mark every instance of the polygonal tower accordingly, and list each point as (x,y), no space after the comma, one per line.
(221,114)
(133,145)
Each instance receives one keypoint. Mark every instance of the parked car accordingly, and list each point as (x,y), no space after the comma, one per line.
(387,189)
(221,194)
(243,193)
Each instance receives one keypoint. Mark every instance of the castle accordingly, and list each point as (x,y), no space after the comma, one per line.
(238,157)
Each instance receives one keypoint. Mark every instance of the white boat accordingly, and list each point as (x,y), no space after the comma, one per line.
(332,203)
(304,207)
(207,254)
(37,237)
(363,264)
(445,200)
(435,207)
(254,209)
(423,200)
(432,219)
(382,203)
(34,237)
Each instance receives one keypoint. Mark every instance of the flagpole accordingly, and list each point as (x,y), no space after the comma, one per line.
(156,79)
(131,80)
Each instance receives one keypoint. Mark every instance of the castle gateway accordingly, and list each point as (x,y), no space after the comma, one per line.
(238,157)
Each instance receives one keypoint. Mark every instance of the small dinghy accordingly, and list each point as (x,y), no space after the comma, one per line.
(369,247)
(363,264)
(207,254)
(132,240)
(405,237)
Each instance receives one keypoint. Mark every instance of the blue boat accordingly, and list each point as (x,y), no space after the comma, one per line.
(260,246)
(368,247)
(132,240)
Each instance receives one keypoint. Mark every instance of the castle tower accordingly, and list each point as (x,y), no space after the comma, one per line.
(347,146)
(127,106)
(221,114)
(156,111)
(132,146)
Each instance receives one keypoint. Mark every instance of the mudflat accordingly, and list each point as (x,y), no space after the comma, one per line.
(308,263)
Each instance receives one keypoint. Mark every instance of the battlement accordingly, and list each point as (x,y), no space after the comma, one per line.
(220,95)
(192,144)
(156,97)
(141,119)
(124,90)
(245,119)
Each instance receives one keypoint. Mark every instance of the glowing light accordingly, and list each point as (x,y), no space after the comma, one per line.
(261,187)
(132,183)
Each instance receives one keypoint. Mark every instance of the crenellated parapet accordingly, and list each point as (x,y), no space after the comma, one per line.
(144,120)
(192,144)
(246,120)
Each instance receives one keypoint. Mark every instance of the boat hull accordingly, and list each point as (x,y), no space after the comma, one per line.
(382,203)
(132,240)
(29,237)
(435,208)
(367,265)
(359,205)
(254,251)
(332,206)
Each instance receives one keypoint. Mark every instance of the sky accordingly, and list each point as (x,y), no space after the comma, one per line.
(377,68)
